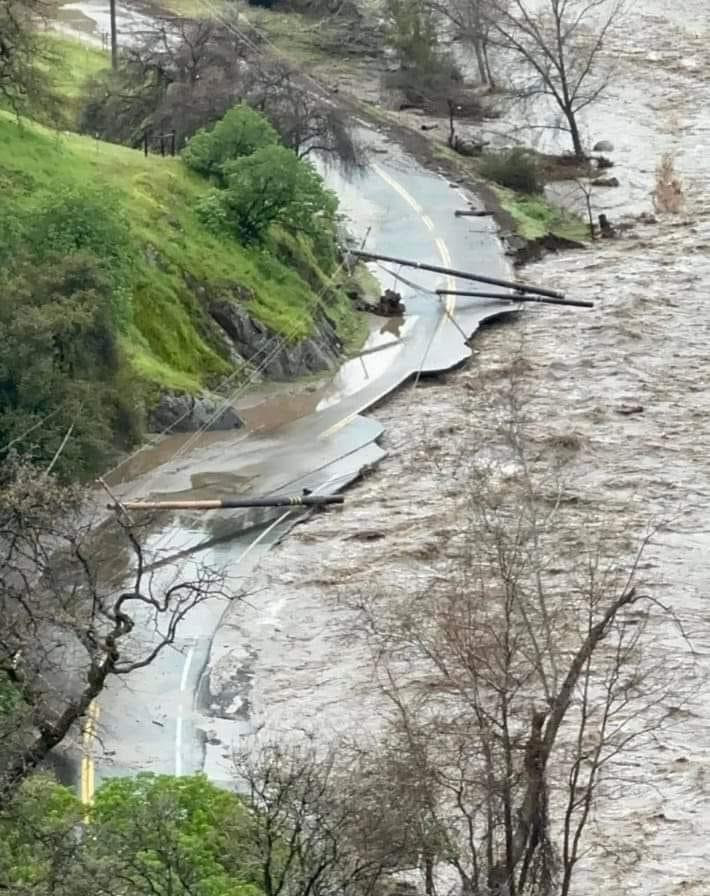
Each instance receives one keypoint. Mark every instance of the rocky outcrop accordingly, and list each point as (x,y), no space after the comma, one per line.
(179,412)
(244,340)
(262,347)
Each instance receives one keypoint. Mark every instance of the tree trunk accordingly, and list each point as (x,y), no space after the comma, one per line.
(574,133)
(489,73)
(50,736)
(480,60)
(452,134)
(429,875)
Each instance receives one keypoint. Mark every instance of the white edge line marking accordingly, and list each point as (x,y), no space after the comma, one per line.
(188,658)
(428,223)
(263,535)
(186,668)
(277,521)
(178,722)
(178,747)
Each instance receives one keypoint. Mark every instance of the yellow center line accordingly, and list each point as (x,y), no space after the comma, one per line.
(339,425)
(88,766)
(84,762)
(398,188)
(450,281)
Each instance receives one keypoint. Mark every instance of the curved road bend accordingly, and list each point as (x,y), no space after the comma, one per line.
(154,720)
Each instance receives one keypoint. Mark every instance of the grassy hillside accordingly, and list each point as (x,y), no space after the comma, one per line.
(73,63)
(169,339)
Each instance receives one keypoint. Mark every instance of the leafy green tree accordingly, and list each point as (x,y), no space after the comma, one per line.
(39,847)
(167,836)
(240,133)
(274,186)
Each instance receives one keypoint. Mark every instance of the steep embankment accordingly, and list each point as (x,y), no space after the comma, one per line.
(197,307)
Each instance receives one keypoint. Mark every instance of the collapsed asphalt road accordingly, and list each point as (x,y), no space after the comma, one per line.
(154,719)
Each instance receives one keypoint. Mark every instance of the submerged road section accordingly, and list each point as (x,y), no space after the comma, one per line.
(162,718)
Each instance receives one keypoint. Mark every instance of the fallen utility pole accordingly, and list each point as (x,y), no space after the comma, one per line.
(231,503)
(516,297)
(463,275)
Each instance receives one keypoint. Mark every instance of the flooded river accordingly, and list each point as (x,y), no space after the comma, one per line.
(624,389)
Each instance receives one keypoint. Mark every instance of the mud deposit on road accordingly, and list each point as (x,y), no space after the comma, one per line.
(620,398)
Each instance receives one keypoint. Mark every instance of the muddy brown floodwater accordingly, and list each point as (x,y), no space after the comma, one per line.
(625,389)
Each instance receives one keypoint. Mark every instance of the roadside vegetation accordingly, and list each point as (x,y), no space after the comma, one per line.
(141,247)
(142,230)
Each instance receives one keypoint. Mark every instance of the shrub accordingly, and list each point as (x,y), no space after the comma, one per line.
(516,169)
(274,186)
(240,133)
(60,362)
(85,220)
(412,31)
(433,87)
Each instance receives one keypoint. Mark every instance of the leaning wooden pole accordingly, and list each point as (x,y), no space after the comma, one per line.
(513,297)
(232,503)
(463,275)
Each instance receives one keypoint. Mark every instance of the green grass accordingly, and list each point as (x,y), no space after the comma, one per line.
(178,265)
(195,9)
(293,33)
(78,62)
(70,63)
(365,280)
(534,217)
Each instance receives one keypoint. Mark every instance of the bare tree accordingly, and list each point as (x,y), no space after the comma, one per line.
(183,75)
(317,828)
(180,75)
(522,679)
(558,44)
(307,120)
(470,21)
(75,611)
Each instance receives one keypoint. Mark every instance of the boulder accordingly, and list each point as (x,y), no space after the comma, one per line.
(603,146)
(469,148)
(605,182)
(181,412)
